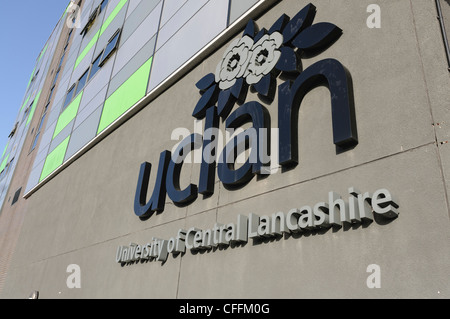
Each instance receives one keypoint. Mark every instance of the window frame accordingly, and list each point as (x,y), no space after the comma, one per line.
(104,58)
(90,22)
(78,89)
(66,101)
(99,57)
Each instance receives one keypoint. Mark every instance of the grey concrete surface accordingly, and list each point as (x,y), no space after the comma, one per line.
(400,86)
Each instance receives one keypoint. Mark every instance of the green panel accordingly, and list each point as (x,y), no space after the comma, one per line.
(4,151)
(126,96)
(43,52)
(31,77)
(5,161)
(68,115)
(54,159)
(100,32)
(26,102)
(33,108)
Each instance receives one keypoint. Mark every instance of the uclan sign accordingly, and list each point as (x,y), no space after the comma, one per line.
(255,62)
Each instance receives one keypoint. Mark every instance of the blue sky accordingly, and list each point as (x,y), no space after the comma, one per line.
(26,27)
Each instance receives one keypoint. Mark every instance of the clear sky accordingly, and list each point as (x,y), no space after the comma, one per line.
(26,27)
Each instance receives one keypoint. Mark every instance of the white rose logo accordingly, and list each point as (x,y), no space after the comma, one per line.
(265,55)
(257,59)
(234,63)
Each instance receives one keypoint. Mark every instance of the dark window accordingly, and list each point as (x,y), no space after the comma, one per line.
(82,82)
(61,62)
(56,78)
(95,66)
(51,94)
(41,123)
(36,138)
(90,22)
(111,47)
(16,196)
(69,97)
(68,38)
(103,5)
(35,141)
(27,110)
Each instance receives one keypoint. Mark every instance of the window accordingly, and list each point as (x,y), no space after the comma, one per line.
(36,138)
(35,76)
(90,22)
(69,97)
(82,82)
(56,78)
(95,66)
(52,90)
(16,196)
(25,114)
(61,62)
(111,47)
(103,5)
(68,39)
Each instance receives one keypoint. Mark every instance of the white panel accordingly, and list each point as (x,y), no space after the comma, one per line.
(170,8)
(183,15)
(138,39)
(196,34)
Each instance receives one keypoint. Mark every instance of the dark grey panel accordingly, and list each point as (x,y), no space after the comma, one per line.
(140,37)
(35,175)
(110,30)
(139,14)
(84,133)
(61,136)
(132,66)
(90,107)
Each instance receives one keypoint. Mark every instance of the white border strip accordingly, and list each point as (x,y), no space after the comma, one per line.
(257,9)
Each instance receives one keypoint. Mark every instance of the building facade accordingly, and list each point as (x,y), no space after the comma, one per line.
(233,149)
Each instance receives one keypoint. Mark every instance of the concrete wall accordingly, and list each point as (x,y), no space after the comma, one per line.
(400,83)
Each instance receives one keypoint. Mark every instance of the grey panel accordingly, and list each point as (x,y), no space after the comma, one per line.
(182,46)
(42,155)
(110,30)
(71,56)
(54,113)
(87,9)
(93,30)
(84,133)
(61,90)
(132,6)
(35,175)
(170,8)
(82,67)
(132,66)
(183,15)
(96,84)
(138,16)
(112,4)
(239,7)
(129,47)
(47,137)
(77,38)
(61,136)
(90,107)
